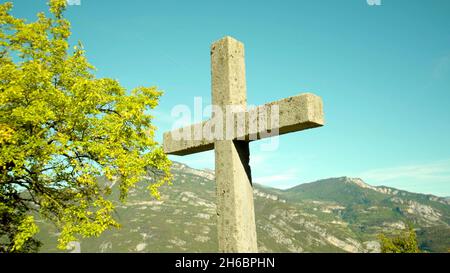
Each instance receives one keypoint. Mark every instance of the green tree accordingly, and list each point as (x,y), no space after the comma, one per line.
(405,242)
(60,129)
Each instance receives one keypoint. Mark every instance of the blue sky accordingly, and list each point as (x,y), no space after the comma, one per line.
(383,73)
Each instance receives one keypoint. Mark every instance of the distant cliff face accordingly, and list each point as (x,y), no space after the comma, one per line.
(332,215)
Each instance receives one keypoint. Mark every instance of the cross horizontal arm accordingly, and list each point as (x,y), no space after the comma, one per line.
(188,145)
(295,113)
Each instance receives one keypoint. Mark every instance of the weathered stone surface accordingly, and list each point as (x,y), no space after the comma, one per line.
(188,145)
(236,218)
(296,113)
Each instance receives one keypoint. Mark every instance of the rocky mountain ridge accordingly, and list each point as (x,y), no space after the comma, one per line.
(331,215)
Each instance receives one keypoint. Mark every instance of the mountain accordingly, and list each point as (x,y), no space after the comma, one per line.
(332,215)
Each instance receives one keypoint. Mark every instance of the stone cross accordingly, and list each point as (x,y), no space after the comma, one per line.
(234,191)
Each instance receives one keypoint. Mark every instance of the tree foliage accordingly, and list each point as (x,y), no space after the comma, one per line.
(60,129)
(405,242)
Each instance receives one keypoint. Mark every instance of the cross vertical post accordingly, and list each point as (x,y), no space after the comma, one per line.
(234,191)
